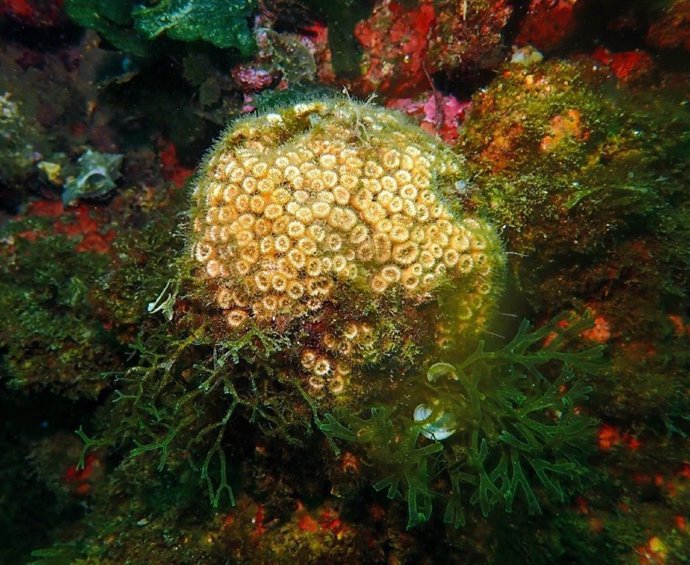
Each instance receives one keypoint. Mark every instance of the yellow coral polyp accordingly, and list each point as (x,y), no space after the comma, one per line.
(320,203)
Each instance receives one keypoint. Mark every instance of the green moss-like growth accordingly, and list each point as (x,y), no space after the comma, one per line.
(577,170)
(70,311)
(142,264)
(183,398)
(50,334)
(186,411)
(589,178)
(499,427)
(535,135)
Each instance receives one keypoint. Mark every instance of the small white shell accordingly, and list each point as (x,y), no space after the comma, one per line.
(441,428)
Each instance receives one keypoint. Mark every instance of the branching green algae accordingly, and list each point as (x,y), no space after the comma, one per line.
(515,411)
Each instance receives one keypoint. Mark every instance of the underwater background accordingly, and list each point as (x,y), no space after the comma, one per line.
(359,281)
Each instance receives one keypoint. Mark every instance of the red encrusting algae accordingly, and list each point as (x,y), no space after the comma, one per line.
(79,481)
(395,41)
(172,170)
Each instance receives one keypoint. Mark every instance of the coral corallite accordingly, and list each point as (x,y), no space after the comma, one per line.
(333,221)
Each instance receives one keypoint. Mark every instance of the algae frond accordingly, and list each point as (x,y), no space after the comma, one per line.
(183,395)
(521,433)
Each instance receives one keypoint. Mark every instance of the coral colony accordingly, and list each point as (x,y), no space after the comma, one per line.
(328,218)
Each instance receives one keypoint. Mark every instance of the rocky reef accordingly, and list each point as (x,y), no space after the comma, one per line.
(249,317)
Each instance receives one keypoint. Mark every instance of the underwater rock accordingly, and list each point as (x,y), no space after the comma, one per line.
(403,42)
(467,34)
(565,166)
(33,13)
(548,24)
(590,184)
(672,29)
(627,66)
(50,335)
(540,137)
(394,41)
(330,221)
(17,136)
(584,174)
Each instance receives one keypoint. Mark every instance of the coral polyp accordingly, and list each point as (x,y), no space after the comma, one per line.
(328,219)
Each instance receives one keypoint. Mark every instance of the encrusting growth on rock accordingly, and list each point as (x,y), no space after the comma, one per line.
(328,220)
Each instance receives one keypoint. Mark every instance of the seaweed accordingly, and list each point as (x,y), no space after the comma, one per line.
(221,23)
(130,26)
(518,430)
(514,429)
(181,396)
(112,20)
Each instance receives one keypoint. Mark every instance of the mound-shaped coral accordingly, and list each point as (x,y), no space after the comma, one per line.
(333,222)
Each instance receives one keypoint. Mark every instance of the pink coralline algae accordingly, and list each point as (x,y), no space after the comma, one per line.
(251,78)
(435,113)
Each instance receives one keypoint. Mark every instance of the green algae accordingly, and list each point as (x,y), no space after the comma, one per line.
(516,413)
(130,26)
(50,332)
(185,394)
(221,23)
